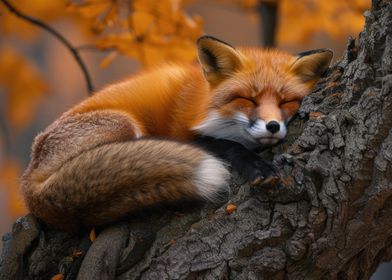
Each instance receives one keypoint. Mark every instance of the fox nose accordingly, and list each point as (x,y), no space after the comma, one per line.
(273,126)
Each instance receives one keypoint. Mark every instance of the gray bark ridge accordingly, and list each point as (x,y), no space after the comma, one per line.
(330,220)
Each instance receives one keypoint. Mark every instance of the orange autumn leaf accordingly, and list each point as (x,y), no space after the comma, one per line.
(89,8)
(300,20)
(141,22)
(10,172)
(108,59)
(99,14)
(147,30)
(24,87)
(230,208)
(92,235)
(123,43)
(57,277)
(315,115)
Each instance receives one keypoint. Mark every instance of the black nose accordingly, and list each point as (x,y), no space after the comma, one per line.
(273,126)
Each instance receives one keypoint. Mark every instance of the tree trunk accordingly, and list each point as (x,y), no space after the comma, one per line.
(268,11)
(330,220)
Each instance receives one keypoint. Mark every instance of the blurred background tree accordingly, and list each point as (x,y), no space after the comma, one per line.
(39,78)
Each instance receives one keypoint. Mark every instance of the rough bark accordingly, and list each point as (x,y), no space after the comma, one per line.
(331,220)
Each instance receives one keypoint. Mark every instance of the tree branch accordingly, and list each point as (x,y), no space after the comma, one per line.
(56,34)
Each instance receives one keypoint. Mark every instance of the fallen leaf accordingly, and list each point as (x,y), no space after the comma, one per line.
(315,115)
(57,277)
(93,235)
(230,208)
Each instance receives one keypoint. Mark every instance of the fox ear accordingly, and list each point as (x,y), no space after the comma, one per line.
(310,65)
(217,58)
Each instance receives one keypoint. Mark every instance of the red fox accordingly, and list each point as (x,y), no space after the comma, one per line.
(168,134)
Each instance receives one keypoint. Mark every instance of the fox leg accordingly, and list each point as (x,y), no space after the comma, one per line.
(249,164)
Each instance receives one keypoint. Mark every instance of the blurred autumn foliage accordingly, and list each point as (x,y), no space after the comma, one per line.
(302,19)
(149,31)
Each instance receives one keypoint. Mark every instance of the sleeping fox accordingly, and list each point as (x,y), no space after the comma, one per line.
(167,134)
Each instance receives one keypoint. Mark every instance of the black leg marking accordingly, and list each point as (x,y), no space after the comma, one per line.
(249,164)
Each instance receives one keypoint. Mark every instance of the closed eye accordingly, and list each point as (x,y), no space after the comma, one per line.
(289,108)
(239,98)
(294,102)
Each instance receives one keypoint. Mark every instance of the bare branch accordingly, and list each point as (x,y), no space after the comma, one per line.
(56,34)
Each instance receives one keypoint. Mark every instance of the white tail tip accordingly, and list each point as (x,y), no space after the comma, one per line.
(211,177)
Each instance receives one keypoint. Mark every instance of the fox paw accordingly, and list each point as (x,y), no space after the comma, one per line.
(261,173)
(258,172)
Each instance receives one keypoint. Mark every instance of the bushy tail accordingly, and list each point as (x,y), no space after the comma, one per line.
(108,182)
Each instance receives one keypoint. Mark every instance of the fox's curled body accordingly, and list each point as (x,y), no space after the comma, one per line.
(129,146)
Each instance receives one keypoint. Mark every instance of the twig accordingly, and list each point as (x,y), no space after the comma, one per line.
(56,34)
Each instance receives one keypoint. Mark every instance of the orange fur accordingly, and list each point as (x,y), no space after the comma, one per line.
(172,99)
(90,166)
(162,102)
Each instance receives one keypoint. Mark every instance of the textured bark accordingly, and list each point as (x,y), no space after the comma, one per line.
(330,220)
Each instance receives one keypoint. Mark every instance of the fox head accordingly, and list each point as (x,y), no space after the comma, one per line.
(255,92)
